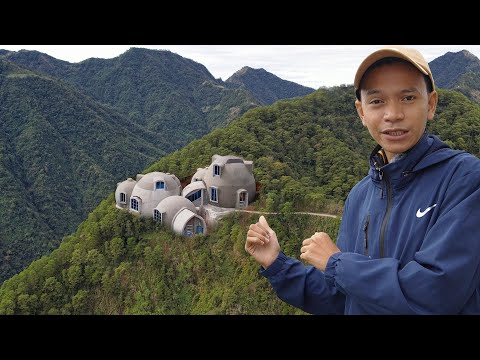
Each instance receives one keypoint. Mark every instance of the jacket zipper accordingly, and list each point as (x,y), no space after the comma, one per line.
(387,213)
(365,231)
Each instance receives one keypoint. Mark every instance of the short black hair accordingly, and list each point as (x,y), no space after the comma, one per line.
(388,61)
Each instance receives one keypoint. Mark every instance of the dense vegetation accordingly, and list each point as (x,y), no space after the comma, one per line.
(307,153)
(117,263)
(265,86)
(61,153)
(163,91)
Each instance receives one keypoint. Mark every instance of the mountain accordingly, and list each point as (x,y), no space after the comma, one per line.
(458,71)
(70,131)
(307,154)
(60,154)
(265,86)
(157,89)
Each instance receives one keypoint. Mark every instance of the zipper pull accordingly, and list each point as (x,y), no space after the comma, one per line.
(380,173)
(365,239)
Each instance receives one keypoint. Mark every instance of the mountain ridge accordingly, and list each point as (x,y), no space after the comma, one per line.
(459,71)
(60,152)
(266,86)
(146,102)
(307,153)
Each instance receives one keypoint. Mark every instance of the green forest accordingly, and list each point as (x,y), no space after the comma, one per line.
(70,131)
(307,153)
(61,153)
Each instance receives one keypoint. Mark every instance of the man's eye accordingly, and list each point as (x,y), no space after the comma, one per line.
(375,102)
(409,98)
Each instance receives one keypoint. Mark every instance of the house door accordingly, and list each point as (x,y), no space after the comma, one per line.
(198,226)
(243,199)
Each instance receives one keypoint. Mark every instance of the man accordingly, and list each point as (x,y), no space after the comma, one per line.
(408,242)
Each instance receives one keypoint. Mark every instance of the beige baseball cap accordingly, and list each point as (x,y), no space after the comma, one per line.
(411,55)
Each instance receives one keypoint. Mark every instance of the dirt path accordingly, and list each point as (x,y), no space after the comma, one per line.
(276,213)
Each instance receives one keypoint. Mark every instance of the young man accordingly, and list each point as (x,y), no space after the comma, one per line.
(408,242)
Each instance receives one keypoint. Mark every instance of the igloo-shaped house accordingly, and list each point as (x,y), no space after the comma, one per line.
(123,193)
(148,191)
(180,214)
(229,182)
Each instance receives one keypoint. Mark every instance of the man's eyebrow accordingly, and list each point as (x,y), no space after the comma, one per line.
(410,90)
(374,91)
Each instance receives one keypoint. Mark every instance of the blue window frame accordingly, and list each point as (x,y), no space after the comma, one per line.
(157,215)
(213,194)
(134,204)
(160,185)
(196,195)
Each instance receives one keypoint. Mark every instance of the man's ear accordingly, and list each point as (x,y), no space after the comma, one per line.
(432,104)
(358,105)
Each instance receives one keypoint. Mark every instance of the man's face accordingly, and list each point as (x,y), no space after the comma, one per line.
(395,106)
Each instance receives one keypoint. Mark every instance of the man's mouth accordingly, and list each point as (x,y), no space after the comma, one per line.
(394,132)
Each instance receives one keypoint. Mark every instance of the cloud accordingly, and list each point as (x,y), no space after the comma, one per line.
(309,65)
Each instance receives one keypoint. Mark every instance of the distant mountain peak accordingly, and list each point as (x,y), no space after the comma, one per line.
(467,54)
(449,68)
(138,50)
(246,70)
(266,86)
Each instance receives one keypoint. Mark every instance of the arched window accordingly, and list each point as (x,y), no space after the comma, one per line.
(194,196)
(157,216)
(134,204)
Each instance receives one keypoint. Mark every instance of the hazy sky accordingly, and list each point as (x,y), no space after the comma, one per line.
(309,65)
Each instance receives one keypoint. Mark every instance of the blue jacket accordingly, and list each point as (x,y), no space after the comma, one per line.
(409,238)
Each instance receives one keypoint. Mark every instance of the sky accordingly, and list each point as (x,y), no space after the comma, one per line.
(309,65)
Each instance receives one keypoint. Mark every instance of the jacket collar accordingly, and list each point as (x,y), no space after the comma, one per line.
(429,150)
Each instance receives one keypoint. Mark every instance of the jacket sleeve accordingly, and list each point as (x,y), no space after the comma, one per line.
(304,286)
(441,278)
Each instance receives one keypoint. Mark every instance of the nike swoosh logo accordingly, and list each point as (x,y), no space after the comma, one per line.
(422,213)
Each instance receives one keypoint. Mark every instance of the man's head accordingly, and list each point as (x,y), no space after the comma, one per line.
(395,97)
(400,52)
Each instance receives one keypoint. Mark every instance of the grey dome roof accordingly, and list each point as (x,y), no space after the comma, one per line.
(147,182)
(233,174)
(126,186)
(195,186)
(171,205)
(199,174)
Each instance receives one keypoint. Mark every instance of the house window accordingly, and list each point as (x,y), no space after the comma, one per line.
(157,215)
(242,197)
(214,194)
(196,195)
(216,170)
(134,204)
(123,198)
(160,185)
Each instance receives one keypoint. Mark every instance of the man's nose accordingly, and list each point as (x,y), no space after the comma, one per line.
(393,112)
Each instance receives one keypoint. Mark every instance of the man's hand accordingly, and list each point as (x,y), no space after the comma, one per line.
(318,249)
(262,243)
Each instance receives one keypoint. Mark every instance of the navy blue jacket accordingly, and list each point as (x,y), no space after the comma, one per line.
(409,238)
